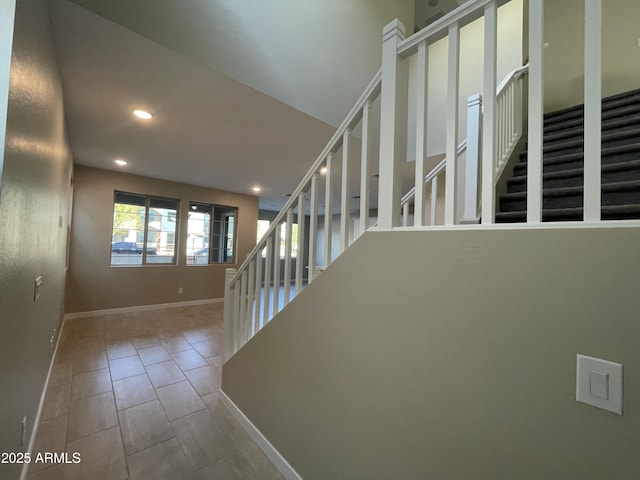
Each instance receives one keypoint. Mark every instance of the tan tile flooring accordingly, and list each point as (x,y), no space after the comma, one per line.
(137,395)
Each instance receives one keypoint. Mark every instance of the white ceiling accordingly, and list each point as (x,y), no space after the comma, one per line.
(243,94)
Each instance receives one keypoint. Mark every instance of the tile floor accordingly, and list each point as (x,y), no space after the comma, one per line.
(137,396)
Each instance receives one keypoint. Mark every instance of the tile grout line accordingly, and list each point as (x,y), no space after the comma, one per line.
(124,453)
(203,325)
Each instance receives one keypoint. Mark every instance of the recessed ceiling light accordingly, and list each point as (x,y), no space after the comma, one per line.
(286,194)
(142,114)
(256,189)
(121,162)
(323,170)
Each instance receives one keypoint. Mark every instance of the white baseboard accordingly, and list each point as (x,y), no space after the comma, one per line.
(140,308)
(36,421)
(270,451)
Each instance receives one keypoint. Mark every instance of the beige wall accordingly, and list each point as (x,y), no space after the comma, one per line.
(34,198)
(509,57)
(564,56)
(451,355)
(94,285)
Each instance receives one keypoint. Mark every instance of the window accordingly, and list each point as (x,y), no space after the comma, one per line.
(211,234)
(142,233)
(263,226)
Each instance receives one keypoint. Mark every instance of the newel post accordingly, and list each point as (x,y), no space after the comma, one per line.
(229,305)
(393,125)
(471,213)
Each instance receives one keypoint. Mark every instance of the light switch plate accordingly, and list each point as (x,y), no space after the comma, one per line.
(599,383)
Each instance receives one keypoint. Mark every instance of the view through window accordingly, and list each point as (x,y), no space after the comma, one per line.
(263,226)
(144,229)
(211,234)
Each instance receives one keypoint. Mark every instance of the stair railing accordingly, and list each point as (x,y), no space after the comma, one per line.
(510,122)
(509,129)
(286,256)
(509,100)
(251,301)
(430,180)
(497,135)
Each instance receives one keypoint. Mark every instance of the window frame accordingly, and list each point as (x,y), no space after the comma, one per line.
(213,236)
(148,199)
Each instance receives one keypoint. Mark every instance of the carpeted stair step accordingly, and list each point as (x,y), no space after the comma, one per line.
(624,112)
(611,173)
(577,132)
(563,162)
(612,138)
(608,104)
(616,212)
(620,193)
(617,154)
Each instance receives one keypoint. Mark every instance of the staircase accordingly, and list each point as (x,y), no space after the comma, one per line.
(563,165)
(338,177)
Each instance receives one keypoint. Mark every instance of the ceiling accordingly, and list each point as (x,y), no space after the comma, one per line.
(243,95)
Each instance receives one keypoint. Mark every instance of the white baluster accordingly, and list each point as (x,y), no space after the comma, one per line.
(505,126)
(345,194)
(276,271)
(313,227)
(452,124)
(300,254)
(243,308)
(502,128)
(328,211)
(229,320)
(393,119)
(287,256)
(592,110)
(472,170)
(434,200)
(421,133)
(536,112)
(489,115)
(237,301)
(499,133)
(266,316)
(518,106)
(405,214)
(250,292)
(258,293)
(512,111)
(364,169)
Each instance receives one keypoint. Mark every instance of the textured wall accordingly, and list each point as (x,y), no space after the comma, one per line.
(564,55)
(93,285)
(451,355)
(34,202)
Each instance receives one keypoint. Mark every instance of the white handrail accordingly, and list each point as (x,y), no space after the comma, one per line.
(464,14)
(350,121)
(511,76)
(509,130)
